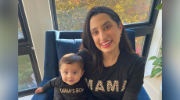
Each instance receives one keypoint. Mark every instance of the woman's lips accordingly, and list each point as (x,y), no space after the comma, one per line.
(106,44)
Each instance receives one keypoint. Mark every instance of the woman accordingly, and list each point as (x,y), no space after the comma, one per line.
(112,69)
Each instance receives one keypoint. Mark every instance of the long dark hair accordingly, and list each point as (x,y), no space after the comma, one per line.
(87,40)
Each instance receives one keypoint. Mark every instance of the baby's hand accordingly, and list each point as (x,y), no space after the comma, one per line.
(39,90)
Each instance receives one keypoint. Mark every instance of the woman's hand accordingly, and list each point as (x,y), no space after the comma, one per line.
(39,90)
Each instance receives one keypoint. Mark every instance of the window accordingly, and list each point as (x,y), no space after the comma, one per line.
(71,14)
(137,15)
(20,33)
(139,41)
(28,72)
(26,78)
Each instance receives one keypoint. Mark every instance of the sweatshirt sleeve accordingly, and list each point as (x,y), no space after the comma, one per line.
(135,82)
(52,83)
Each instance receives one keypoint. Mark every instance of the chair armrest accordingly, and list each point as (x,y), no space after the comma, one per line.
(143,95)
(40,96)
(47,95)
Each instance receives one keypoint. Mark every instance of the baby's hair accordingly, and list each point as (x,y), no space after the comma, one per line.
(71,58)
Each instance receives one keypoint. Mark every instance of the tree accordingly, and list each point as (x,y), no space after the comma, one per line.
(71,13)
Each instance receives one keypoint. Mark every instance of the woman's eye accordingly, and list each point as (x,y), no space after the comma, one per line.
(95,32)
(74,72)
(107,27)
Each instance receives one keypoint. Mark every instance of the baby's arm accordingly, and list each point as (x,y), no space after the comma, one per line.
(39,90)
(50,84)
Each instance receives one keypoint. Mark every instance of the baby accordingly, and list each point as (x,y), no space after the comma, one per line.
(70,85)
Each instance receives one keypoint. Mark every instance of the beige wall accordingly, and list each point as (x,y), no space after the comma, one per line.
(39,21)
(155,44)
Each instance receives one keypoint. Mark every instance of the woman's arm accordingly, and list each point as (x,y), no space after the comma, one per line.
(135,82)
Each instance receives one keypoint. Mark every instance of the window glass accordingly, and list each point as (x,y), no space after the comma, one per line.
(20,33)
(139,44)
(71,13)
(26,78)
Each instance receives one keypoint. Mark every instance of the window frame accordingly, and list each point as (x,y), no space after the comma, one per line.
(29,51)
(141,29)
(25,46)
(24,26)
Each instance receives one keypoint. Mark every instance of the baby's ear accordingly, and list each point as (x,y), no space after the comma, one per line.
(60,71)
(83,72)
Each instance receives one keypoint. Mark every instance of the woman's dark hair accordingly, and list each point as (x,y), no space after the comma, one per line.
(87,40)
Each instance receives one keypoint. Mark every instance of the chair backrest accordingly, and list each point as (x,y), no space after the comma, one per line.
(70,35)
(59,43)
(69,42)
(77,35)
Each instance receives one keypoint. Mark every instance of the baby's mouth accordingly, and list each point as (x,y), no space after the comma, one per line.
(70,80)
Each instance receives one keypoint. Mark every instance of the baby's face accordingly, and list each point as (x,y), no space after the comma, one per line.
(71,73)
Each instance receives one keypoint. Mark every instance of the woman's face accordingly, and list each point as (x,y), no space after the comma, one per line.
(105,33)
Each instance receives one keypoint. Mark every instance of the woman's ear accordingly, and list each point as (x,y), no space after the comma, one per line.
(121,26)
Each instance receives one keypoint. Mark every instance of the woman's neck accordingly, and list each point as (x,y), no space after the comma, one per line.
(110,59)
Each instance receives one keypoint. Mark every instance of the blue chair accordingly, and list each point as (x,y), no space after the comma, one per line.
(59,43)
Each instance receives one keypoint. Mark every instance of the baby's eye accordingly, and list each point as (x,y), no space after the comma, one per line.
(65,72)
(74,72)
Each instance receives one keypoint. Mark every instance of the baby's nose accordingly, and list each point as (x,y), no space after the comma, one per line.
(70,75)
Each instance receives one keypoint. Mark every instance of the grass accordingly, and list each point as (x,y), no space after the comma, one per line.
(24,72)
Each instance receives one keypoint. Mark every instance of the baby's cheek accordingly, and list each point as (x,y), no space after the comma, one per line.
(63,78)
(78,78)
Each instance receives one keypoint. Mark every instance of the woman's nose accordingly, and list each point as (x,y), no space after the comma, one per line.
(102,35)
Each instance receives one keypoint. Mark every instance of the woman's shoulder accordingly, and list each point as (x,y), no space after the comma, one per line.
(132,56)
(84,54)
(131,60)
(139,59)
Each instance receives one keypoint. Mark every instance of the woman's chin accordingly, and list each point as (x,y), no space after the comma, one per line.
(106,51)
(109,50)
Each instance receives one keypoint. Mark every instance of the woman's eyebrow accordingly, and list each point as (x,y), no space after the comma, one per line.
(106,23)
(102,25)
(93,29)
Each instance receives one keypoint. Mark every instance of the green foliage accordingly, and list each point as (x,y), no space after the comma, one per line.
(159,7)
(71,14)
(152,58)
(157,61)
(24,72)
(19,26)
(157,69)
